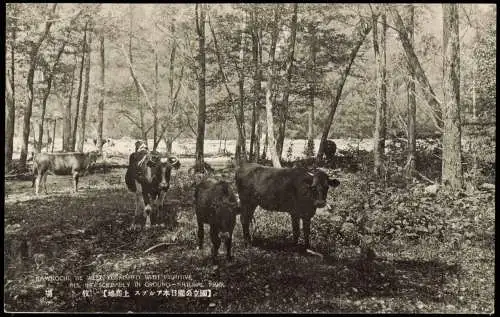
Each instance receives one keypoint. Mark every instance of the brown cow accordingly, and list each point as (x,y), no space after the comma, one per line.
(71,163)
(216,204)
(294,190)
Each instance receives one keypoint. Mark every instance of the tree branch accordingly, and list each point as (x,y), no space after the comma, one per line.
(137,82)
(189,123)
(130,117)
(416,67)
(224,78)
(174,101)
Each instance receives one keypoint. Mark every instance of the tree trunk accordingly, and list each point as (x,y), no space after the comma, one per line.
(412,104)
(53,135)
(9,135)
(83,117)
(67,135)
(312,92)
(168,144)
(417,70)
(259,108)
(256,88)
(144,133)
(257,140)
(46,95)
(200,137)
(380,119)
(32,127)
(270,127)
(338,90)
(156,139)
(10,101)
(102,90)
(266,143)
(79,93)
(241,114)
(49,138)
(284,107)
(31,73)
(269,86)
(475,162)
(452,152)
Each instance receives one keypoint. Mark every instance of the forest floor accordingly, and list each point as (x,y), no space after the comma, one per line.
(57,245)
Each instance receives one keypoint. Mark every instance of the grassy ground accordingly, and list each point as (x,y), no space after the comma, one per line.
(85,234)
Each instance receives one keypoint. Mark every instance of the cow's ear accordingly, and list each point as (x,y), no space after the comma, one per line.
(333,182)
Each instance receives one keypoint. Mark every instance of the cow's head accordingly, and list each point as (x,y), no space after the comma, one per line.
(319,183)
(160,169)
(140,146)
(226,217)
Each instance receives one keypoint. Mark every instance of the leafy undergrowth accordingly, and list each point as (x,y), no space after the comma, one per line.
(434,252)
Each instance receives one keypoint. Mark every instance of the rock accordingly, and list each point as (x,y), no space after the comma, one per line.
(432,189)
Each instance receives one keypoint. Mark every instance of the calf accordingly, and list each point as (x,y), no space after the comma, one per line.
(148,176)
(72,163)
(215,203)
(294,190)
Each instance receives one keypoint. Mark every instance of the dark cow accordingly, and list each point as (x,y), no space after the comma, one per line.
(215,203)
(330,150)
(72,163)
(294,190)
(148,175)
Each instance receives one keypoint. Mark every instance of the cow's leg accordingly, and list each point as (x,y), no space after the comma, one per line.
(201,233)
(245,217)
(214,235)
(138,205)
(296,229)
(37,183)
(138,197)
(147,209)
(228,243)
(306,224)
(75,181)
(161,216)
(45,183)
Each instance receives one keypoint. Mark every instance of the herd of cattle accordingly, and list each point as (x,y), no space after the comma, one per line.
(297,191)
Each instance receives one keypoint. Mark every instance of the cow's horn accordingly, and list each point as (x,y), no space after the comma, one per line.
(173,160)
(311,174)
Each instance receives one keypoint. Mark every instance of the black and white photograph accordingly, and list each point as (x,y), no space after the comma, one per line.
(250,157)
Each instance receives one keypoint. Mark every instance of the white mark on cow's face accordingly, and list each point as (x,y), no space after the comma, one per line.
(164,182)
(148,174)
(319,189)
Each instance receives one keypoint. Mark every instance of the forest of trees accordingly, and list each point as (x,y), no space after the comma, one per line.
(257,72)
